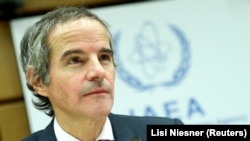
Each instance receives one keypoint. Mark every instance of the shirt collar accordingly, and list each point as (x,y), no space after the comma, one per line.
(61,135)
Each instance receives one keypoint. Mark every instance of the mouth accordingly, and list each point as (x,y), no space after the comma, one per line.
(98,91)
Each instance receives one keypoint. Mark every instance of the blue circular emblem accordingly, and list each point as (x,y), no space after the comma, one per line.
(157,60)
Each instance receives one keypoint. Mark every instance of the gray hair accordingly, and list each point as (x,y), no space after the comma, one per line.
(35,49)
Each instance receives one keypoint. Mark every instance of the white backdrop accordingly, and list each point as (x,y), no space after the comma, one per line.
(181,58)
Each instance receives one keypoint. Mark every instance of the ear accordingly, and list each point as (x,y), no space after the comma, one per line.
(36,83)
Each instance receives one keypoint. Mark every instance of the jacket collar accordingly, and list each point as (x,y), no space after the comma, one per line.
(48,134)
(120,128)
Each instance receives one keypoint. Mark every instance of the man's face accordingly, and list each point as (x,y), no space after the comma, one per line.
(81,70)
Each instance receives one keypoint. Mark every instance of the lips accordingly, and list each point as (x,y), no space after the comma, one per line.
(97,91)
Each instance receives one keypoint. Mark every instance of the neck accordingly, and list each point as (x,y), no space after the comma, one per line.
(84,129)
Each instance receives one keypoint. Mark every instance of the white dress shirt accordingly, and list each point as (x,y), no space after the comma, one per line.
(61,135)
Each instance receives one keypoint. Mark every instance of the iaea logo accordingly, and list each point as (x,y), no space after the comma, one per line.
(152,56)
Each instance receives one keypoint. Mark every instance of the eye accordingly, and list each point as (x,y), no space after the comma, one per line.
(105,57)
(75,60)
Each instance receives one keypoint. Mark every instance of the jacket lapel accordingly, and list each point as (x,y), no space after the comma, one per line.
(120,129)
(119,126)
(48,134)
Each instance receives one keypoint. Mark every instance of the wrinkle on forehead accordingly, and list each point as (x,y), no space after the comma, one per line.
(80,30)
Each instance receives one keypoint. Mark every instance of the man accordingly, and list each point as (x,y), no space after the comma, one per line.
(67,57)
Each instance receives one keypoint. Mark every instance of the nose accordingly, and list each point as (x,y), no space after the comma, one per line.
(96,71)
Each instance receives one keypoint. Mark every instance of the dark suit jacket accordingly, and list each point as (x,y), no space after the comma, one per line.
(124,128)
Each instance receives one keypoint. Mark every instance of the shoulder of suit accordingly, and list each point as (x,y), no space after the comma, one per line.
(149,119)
(34,136)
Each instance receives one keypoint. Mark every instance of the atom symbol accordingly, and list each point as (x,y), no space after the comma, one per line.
(150,52)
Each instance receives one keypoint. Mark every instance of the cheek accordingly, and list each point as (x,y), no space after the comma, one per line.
(111,76)
(67,85)
(71,84)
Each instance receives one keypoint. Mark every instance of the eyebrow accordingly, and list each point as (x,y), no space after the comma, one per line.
(69,52)
(78,51)
(107,50)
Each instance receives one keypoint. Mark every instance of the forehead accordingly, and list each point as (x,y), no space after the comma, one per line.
(82,25)
(79,30)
